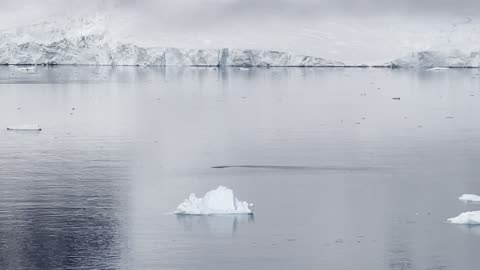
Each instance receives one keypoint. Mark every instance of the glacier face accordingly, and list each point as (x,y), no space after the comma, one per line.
(93,50)
(86,42)
(431,59)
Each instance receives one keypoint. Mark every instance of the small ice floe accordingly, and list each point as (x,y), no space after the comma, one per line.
(218,201)
(25,128)
(437,69)
(469,198)
(467,218)
(28,69)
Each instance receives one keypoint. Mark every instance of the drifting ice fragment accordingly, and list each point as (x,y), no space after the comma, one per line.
(28,69)
(217,201)
(25,127)
(467,218)
(438,69)
(469,198)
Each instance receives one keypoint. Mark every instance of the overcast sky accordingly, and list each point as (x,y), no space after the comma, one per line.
(207,10)
(338,29)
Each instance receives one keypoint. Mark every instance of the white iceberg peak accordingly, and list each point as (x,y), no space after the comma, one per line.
(217,201)
(469,198)
(467,218)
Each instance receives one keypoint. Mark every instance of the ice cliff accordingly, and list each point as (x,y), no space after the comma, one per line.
(87,42)
(92,50)
(431,59)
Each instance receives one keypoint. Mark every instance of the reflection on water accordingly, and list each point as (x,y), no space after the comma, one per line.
(470,229)
(58,238)
(217,224)
(358,175)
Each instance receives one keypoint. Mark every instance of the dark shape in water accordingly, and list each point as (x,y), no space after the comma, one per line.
(307,168)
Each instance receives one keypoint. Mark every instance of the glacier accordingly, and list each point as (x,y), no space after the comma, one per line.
(218,201)
(86,41)
(91,50)
(89,41)
(437,60)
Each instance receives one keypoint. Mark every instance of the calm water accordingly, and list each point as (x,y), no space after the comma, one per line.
(342,175)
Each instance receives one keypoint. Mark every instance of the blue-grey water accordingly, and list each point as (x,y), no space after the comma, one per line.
(342,175)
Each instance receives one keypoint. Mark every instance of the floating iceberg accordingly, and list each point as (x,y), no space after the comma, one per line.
(467,218)
(438,69)
(469,198)
(27,69)
(217,201)
(25,127)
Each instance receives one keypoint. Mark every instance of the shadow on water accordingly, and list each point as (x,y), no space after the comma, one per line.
(216,224)
(471,229)
(300,168)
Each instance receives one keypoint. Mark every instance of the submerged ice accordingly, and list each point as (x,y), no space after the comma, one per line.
(218,201)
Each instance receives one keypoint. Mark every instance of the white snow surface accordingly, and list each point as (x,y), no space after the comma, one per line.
(24,127)
(218,201)
(467,218)
(469,198)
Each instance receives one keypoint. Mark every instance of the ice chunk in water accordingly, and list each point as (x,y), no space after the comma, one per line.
(218,201)
(469,198)
(25,127)
(467,218)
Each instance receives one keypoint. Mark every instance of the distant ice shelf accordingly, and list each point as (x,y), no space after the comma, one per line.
(467,218)
(218,201)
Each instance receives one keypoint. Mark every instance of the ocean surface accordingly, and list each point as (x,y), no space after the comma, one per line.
(343,176)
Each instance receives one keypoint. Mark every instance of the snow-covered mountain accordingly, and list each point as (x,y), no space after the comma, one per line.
(87,42)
